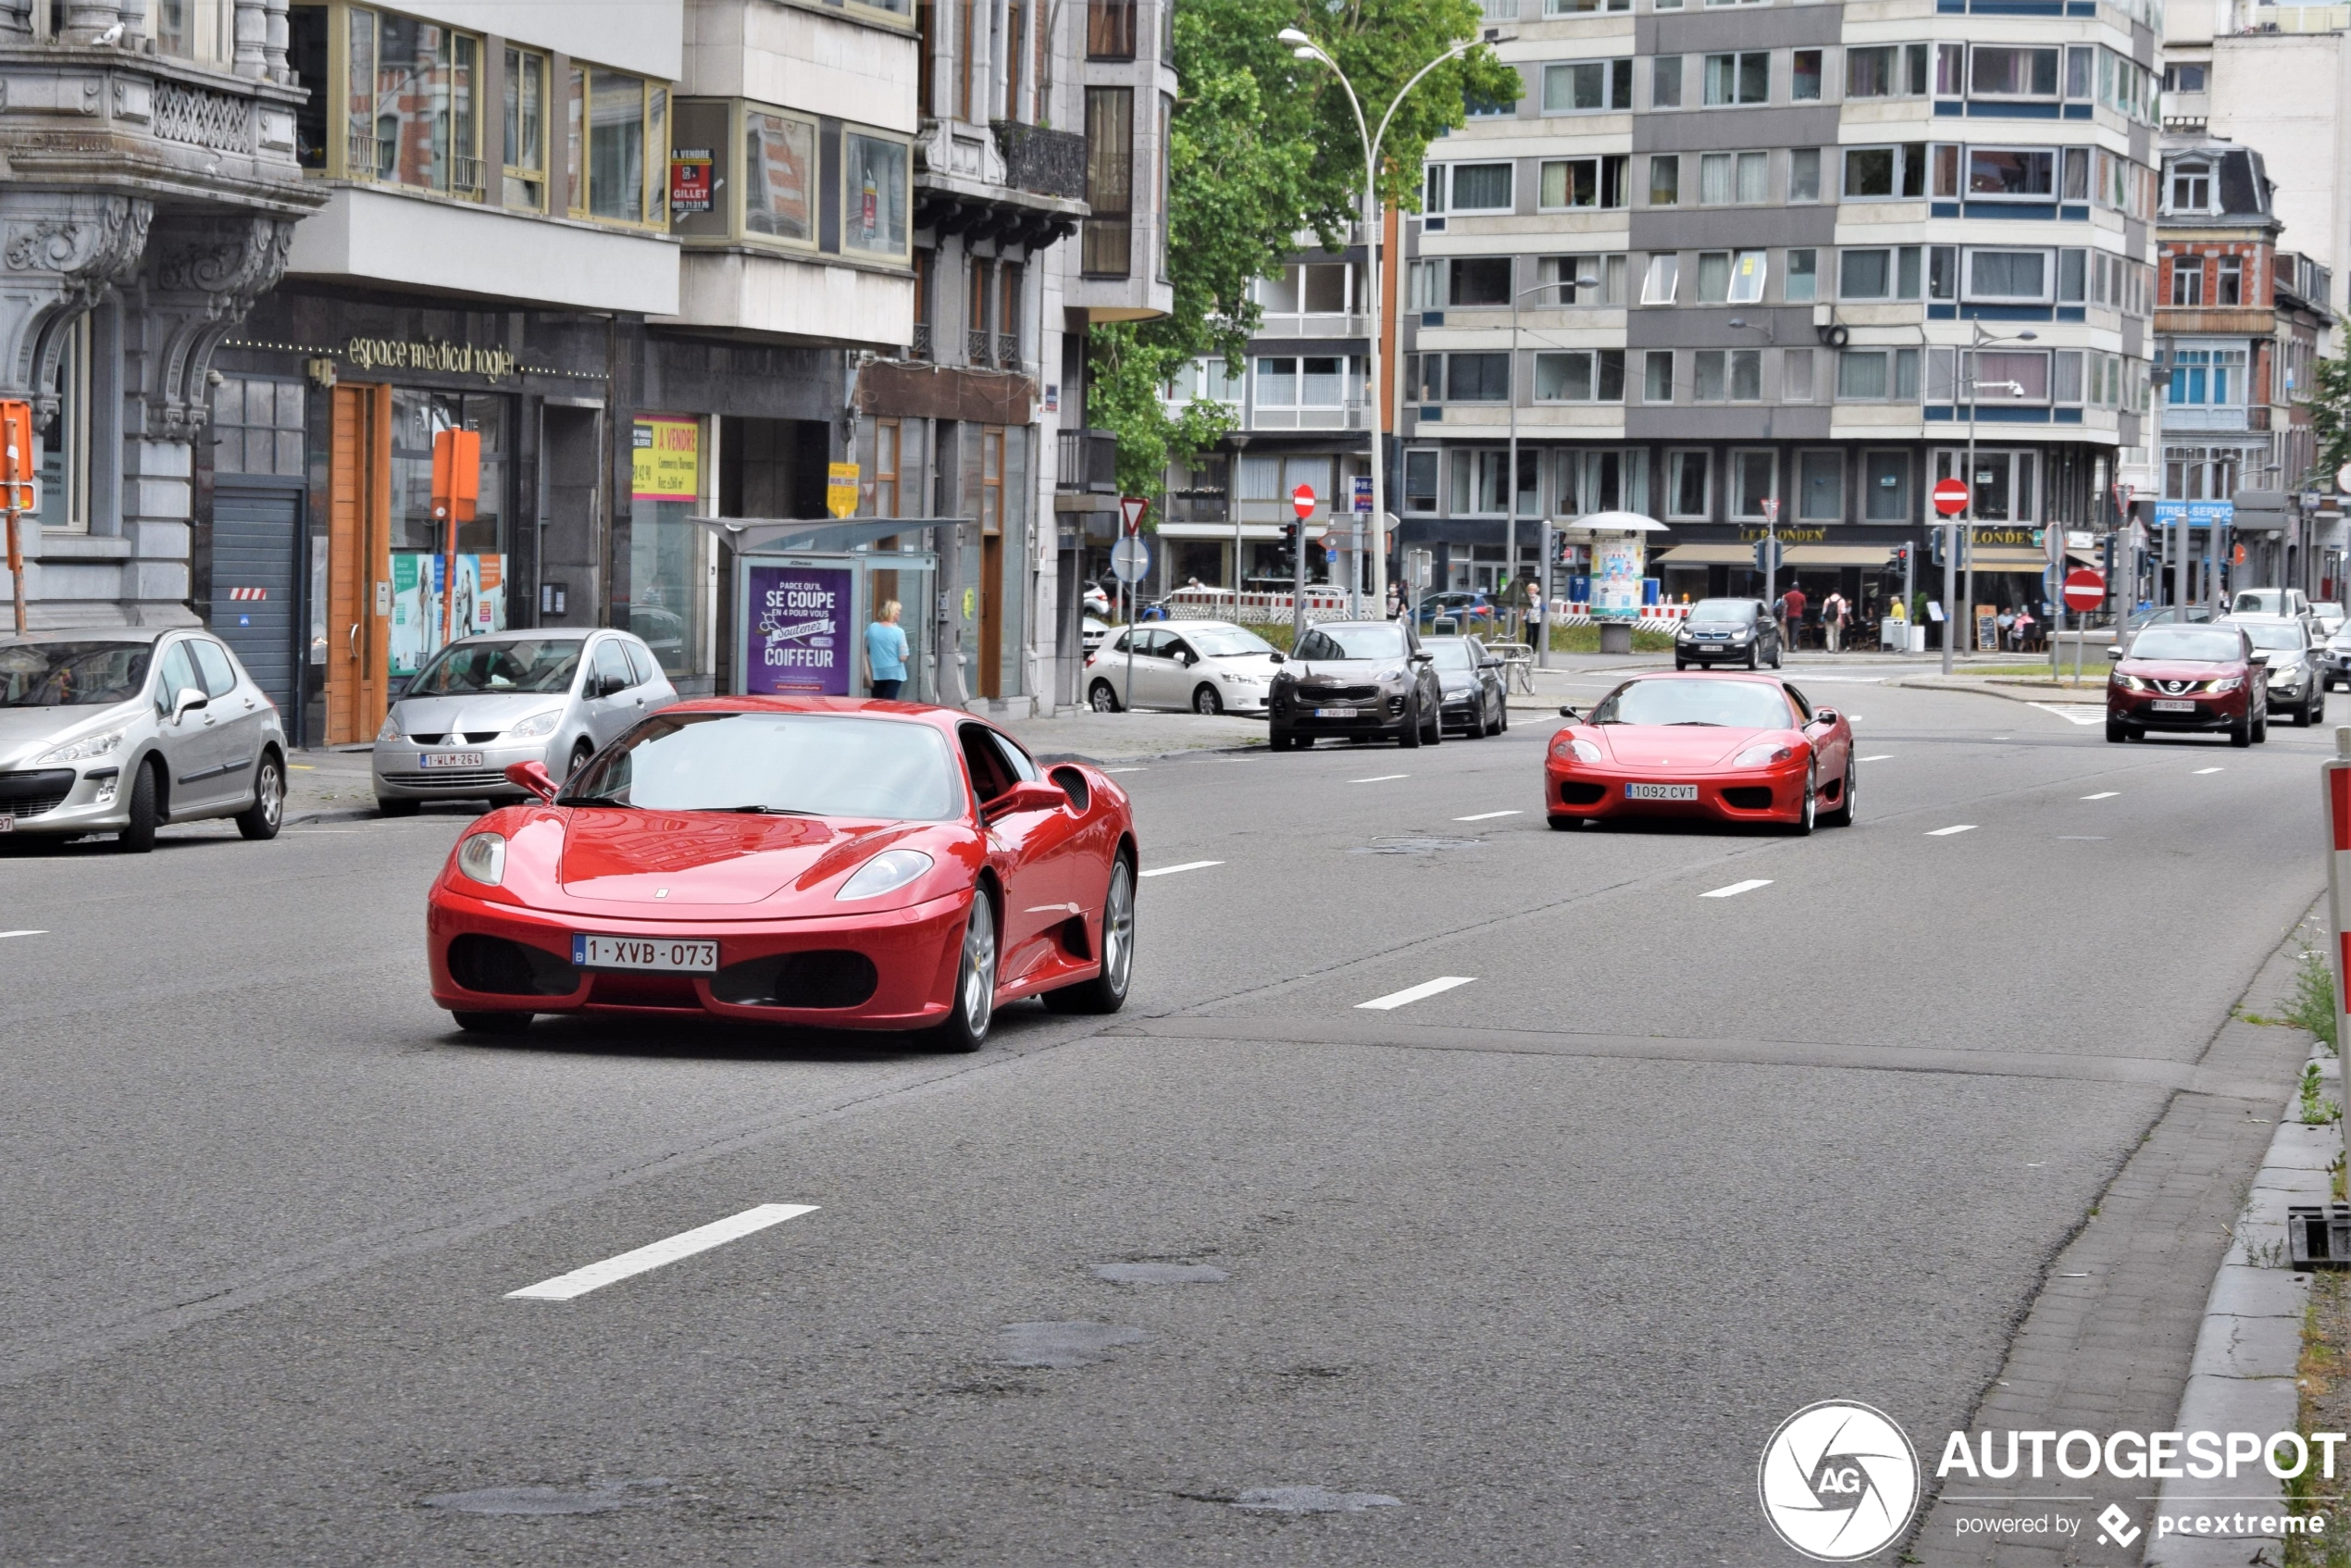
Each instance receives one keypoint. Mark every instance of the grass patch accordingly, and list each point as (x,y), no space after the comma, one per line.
(2310,1005)
(2324,1374)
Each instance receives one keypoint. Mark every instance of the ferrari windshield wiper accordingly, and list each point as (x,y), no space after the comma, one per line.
(1700,723)
(760,811)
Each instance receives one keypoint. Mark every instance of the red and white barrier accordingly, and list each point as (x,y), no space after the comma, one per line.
(248,593)
(2335,784)
(1653,617)
(1218,605)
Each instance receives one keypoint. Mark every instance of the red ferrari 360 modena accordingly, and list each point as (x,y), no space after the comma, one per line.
(1733,747)
(814,860)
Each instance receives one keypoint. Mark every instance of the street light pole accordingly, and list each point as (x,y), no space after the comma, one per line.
(1510,528)
(1954,615)
(1305,48)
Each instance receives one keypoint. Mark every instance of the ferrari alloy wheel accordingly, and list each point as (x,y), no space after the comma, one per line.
(492,1022)
(975,1001)
(1106,992)
(1206,701)
(1102,697)
(1809,812)
(260,819)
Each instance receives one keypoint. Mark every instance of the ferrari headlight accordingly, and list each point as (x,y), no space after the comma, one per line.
(483,858)
(536,725)
(1574,748)
(886,873)
(1762,755)
(390,732)
(84,750)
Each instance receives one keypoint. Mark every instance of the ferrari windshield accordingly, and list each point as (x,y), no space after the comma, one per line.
(72,675)
(1374,639)
(2194,644)
(473,669)
(1733,704)
(802,765)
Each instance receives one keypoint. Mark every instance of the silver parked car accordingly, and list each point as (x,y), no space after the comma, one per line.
(119,729)
(483,704)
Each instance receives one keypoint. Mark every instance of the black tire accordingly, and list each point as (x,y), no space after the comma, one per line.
(2241,732)
(1102,697)
(1410,736)
(397,808)
(139,836)
(1502,724)
(261,819)
(2317,707)
(492,1022)
(1565,823)
(1775,655)
(580,756)
(2115,730)
(2261,727)
(1842,816)
(1206,701)
(1755,656)
(975,1000)
(1280,741)
(1810,813)
(1435,735)
(1681,664)
(1106,992)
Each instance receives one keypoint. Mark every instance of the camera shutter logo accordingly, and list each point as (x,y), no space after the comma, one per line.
(1839,1481)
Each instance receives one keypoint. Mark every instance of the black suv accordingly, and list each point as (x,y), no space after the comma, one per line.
(1362,680)
(1728,631)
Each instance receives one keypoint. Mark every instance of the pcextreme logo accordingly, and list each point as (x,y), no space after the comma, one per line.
(1839,1481)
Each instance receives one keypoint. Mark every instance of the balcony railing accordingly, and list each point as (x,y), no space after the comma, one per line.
(1007,350)
(1088,462)
(1047,163)
(975,348)
(922,339)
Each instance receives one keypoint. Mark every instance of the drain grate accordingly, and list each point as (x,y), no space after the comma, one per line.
(1160,1274)
(1399,844)
(597,1497)
(1062,1344)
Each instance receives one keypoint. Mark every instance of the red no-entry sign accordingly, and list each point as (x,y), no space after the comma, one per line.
(1302,501)
(1950,497)
(2084,589)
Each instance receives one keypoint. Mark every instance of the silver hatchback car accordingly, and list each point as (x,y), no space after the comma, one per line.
(119,729)
(485,702)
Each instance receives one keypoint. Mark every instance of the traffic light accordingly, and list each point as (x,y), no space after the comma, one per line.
(1901,558)
(1289,546)
(1769,553)
(1934,546)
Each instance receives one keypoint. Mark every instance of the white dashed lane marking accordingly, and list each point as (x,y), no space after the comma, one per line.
(1736,889)
(1188,866)
(5,935)
(1379,778)
(1947,832)
(2103,795)
(2201,771)
(1881,757)
(1488,815)
(1415,993)
(684,1244)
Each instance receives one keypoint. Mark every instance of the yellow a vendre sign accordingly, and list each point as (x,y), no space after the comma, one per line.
(840,489)
(664,459)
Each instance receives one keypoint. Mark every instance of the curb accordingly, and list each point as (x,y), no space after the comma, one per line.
(2084,697)
(2242,1376)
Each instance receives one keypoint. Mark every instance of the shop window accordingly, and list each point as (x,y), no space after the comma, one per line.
(526,129)
(412,112)
(612,119)
(427,606)
(256,427)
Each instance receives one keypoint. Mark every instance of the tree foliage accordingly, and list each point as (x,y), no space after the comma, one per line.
(2331,418)
(1263,146)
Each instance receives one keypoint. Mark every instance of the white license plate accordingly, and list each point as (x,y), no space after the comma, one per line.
(2172,705)
(666,956)
(1334,712)
(1661,791)
(7,823)
(429,760)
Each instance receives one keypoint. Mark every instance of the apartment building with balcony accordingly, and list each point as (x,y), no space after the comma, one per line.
(1782,257)
(2242,321)
(152,188)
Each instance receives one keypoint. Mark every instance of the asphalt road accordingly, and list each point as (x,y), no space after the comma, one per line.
(1524,1272)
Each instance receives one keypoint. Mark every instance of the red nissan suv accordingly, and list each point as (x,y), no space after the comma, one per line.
(2205,678)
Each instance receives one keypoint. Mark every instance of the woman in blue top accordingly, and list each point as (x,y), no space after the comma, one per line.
(886,651)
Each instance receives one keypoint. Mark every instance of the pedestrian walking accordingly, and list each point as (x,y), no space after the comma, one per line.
(1795,632)
(886,652)
(1834,611)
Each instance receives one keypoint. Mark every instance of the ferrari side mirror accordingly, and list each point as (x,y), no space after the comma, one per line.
(532,775)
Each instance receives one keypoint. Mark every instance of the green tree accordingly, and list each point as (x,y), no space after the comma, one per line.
(2331,415)
(1260,147)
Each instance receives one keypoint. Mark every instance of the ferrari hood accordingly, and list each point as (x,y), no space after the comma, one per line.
(676,859)
(1666,747)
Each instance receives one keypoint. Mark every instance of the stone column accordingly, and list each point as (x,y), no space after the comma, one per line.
(274,40)
(16,21)
(252,32)
(85,19)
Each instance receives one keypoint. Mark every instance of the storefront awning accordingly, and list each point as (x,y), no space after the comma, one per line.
(1708,555)
(2007,559)
(1837,554)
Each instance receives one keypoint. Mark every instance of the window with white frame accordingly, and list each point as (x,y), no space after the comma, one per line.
(1998,277)
(1588,86)
(1890,173)
(2207,376)
(1804,79)
(1657,375)
(1749,270)
(1755,478)
(2019,376)
(2204,473)
(1566,184)
(1877,375)
(2012,174)
(1713,276)
(1726,179)
(1665,82)
(1580,375)
(1804,174)
(1879,273)
(1886,70)
(1468,188)
(1689,486)
(2187,279)
(1665,180)
(1820,486)
(1480,478)
(2001,70)
(1663,279)
(1308,381)
(2191,187)
(2004,481)
(1801,283)
(2228,279)
(1581,7)
(1739,79)
(1580,280)
(1606,480)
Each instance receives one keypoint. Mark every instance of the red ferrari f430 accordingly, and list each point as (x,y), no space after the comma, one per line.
(807,861)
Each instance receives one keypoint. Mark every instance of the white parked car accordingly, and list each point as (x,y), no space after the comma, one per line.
(1207,666)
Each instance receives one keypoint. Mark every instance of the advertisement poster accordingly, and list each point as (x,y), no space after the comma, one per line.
(416,603)
(690,188)
(799,640)
(666,459)
(1617,575)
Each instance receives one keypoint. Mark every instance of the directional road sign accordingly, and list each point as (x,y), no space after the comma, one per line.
(1130,558)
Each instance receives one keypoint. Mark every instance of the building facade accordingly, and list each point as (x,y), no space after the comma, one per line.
(1786,257)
